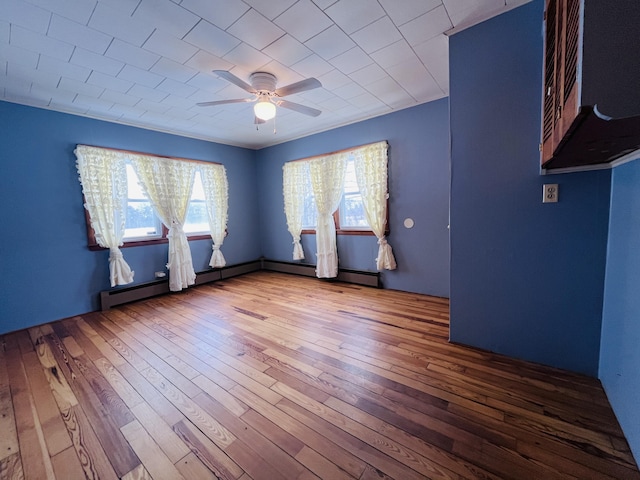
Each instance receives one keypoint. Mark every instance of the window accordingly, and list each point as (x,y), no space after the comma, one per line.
(197,221)
(351,214)
(141,221)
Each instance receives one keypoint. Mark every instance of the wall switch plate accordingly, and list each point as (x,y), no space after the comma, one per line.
(550,193)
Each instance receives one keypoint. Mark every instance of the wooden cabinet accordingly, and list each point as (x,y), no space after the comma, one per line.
(591,98)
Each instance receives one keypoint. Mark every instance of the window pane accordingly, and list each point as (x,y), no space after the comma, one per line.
(351,207)
(197,220)
(141,221)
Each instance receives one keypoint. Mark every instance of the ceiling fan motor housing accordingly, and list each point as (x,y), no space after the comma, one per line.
(263,82)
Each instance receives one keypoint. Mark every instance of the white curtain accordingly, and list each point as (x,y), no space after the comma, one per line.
(214,181)
(168,184)
(295,188)
(371,172)
(104,184)
(327,182)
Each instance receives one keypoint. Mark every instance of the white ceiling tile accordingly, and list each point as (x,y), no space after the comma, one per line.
(118,97)
(24,76)
(208,82)
(377,35)
(221,13)
(4,32)
(126,111)
(255,30)
(312,66)
(80,88)
(24,14)
(324,3)
(77,34)
(96,62)
(369,74)
(175,101)
(147,93)
(284,75)
(118,24)
(205,62)
(211,39)
(92,103)
(180,113)
(406,10)
(152,106)
(166,16)
(434,54)
(349,91)
(53,94)
(131,54)
(464,12)
(303,20)
(335,103)
(247,57)
(330,43)
(426,26)
(414,78)
(126,7)
(365,100)
(76,10)
(13,54)
(352,60)
(176,88)
(140,76)
(315,96)
(287,50)
(107,81)
(63,69)
(334,79)
(272,8)
(393,54)
(21,37)
(168,46)
(352,15)
(170,69)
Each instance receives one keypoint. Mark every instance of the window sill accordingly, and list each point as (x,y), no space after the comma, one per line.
(364,233)
(155,241)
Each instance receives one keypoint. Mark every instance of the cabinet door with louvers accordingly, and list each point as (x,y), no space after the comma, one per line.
(560,104)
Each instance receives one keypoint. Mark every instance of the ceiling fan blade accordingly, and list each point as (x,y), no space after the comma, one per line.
(222,102)
(298,108)
(301,86)
(230,77)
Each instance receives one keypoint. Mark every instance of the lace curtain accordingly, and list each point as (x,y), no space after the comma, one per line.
(371,172)
(327,182)
(168,185)
(104,185)
(214,181)
(295,189)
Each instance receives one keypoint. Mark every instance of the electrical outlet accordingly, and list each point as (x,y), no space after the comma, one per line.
(550,193)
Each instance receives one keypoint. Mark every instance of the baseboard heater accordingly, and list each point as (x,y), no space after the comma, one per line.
(359,277)
(120,295)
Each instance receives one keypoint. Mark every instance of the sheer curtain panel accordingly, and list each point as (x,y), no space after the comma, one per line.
(104,185)
(168,185)
(327,182)
(371,172)
(295,189)
(214,181)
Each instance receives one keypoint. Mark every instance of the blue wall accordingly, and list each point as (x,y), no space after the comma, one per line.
(527,278)
(48,272)
(419,188)
(620,347)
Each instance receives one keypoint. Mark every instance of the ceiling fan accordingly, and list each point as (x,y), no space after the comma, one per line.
(266,95)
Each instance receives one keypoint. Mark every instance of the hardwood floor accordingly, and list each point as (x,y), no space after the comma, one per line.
(272,376)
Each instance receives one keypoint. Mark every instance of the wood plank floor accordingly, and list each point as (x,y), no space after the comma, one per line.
(269,376)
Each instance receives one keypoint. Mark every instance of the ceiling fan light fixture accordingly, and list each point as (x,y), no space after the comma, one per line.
(264,109)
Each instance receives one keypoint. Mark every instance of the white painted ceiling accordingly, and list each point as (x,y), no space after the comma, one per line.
(148,62)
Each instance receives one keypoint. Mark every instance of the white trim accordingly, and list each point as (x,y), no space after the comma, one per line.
(486,16)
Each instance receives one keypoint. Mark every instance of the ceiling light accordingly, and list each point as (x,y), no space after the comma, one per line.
(264,109)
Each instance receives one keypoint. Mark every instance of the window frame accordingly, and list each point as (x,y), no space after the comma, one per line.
(138,242)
